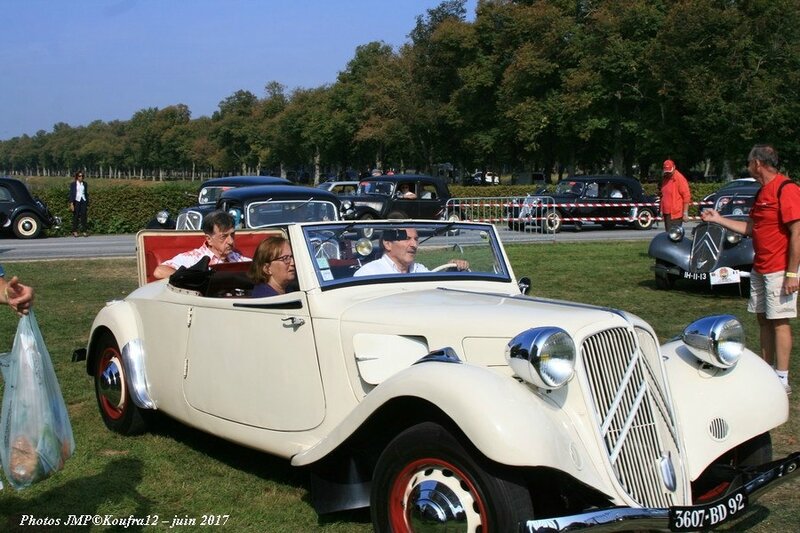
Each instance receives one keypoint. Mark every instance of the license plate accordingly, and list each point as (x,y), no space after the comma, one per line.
(697,276)
(707,515)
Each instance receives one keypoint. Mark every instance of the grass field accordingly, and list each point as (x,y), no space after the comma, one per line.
(177,473)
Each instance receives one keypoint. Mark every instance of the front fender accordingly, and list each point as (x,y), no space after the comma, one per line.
(675,253)
(719,409)
(503,418)
(120,319)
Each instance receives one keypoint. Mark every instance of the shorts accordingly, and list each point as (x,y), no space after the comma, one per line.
(766,296)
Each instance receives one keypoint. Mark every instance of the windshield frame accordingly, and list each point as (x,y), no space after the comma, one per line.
(462,240)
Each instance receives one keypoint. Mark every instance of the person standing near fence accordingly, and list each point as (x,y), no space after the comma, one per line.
(675,196)
(78,203)
(774,224)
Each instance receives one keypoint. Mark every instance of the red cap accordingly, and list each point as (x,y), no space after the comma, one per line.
(669,166)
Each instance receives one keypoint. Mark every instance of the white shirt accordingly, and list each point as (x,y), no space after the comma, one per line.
(187,259)
(79,192)
(385,265)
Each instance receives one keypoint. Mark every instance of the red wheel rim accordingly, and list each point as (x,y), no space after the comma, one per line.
(112,409)
(404,481)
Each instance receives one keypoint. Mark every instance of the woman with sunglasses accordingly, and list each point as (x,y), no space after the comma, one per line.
(273,269)
(78,203)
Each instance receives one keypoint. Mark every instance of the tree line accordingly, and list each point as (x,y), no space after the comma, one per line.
(562,86)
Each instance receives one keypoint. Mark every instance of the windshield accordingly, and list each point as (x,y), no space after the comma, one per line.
(210,195)
(569,187)
(260,214)
(376,187)
(409,251)
(734,204)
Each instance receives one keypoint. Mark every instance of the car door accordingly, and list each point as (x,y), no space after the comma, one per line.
(254,361)
(6,204)
(404,207)
(429,204)
(617,199)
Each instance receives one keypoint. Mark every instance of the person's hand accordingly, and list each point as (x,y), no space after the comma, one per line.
(709,215)
(20,297)
(461,264)
(790,285)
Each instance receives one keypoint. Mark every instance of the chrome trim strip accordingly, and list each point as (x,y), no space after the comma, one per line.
(767,477)
(133,361)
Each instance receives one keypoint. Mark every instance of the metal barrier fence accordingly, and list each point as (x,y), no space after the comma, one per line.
(540,214)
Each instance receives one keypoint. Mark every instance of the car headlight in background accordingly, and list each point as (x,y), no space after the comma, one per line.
(717,340)
(732,237)
(237,217)
(544,357)
(676,233)
(162,216)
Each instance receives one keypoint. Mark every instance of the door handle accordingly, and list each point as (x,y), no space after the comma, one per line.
(292,322)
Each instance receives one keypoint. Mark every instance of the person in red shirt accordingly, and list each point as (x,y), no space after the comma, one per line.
(675,196)
(774,224)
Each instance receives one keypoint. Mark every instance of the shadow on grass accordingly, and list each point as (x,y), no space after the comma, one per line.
(117,482)
(261,464)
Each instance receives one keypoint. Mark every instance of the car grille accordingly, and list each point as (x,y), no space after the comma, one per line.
(706,248)
(634,417)
(190,220)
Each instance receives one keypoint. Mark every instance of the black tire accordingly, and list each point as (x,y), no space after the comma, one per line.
(578,226)
(753,452)
(553,221)
(665,282)
(27,226)
(645,219)
(396,215)
(490,498)
(111,388)
(367,216)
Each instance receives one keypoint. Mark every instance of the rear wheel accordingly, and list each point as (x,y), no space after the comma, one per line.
(644,219)
(27,226)
(396,215)
(426,480)
(112,389)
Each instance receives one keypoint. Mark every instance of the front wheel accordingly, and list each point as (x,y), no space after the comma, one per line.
(111,388)
(426,480)
(553,221)
(27,226)
(644,219)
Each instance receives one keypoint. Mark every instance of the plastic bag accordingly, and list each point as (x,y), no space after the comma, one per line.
(35,432)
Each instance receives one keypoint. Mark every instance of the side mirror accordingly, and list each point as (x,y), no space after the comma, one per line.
(524,285)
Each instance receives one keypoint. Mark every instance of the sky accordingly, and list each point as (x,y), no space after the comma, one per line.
(76,61)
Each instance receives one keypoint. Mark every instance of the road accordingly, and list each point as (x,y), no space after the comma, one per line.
(95,246)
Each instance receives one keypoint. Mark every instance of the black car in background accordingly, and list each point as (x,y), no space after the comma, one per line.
(606,200)
(190,218)
(267,205)
(21,212)
(381,197)
(711,255)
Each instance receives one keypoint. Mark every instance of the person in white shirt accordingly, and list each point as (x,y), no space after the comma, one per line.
(219,246)
(78,203)
(399,254)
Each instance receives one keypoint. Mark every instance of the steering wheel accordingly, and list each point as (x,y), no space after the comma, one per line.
(446,266)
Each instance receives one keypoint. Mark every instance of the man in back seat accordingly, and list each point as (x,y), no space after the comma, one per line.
(219,246)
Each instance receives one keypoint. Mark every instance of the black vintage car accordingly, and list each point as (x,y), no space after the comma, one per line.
(606,200)
(267,205)
(384,197)
(189,218)
(711,255)
(24,214)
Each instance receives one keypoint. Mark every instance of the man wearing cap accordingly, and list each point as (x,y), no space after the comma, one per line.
(774,224)
(399,252)
(675,196)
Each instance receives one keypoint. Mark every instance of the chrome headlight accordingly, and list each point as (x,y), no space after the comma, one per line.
(236,214)
(347,205)
(676,233)
(162,216)
(732,237)
(717,340)
(544,357)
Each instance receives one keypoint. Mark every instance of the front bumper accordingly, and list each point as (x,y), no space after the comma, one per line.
(756,481)
(719,276)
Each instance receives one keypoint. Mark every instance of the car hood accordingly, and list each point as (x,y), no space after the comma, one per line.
(477,325)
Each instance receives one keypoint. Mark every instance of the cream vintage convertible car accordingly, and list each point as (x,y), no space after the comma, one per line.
(399,395)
